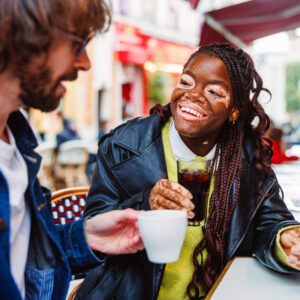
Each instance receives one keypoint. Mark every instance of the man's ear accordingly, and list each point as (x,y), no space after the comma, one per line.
(234,115)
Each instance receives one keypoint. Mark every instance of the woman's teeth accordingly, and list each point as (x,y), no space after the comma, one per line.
(191,111)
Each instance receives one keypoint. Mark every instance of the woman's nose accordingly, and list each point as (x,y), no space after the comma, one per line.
(82,62)
(194,96)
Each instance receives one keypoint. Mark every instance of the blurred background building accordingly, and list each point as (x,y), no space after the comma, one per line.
(137,62)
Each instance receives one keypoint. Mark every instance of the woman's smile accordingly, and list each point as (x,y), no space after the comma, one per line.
(190,111)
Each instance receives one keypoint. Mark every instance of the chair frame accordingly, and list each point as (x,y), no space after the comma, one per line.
(74,291)
(68,192)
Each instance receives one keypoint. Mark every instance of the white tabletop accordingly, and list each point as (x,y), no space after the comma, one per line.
(247,279)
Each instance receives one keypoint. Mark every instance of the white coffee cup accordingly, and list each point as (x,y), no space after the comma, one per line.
(163,233)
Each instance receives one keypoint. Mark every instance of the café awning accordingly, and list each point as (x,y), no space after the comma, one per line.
(243,23)
(194,3)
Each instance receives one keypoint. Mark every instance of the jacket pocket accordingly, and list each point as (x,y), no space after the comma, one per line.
(39,283)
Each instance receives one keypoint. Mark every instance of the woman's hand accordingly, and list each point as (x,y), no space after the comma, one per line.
(167,194)
(290,242)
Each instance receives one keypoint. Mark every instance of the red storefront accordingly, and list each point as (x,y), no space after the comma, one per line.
(141,57)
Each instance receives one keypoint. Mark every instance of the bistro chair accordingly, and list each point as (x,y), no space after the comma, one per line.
(73,292)
(45,175)
(70,164)
(68,205)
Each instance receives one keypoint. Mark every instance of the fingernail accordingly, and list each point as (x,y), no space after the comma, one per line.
(190,215)
(292,259)
(190,205)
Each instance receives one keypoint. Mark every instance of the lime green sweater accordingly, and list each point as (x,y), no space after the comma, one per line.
(178,275)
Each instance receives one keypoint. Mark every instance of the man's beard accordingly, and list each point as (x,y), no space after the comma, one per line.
(35,91)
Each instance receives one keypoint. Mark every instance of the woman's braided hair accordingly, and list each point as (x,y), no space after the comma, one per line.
(246,86)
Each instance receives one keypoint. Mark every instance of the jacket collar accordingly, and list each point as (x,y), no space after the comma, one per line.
(25,141)
(249,151)
(21,130)
(129,137)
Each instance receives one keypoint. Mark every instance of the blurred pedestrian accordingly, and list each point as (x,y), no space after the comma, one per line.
(102,128)
(68,133)
(275,134)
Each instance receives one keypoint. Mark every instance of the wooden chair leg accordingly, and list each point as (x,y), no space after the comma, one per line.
(74,291)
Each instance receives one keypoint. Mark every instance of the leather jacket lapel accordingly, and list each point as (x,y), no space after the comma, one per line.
(140,154)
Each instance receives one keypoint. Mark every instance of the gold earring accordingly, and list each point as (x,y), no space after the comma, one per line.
(234,116)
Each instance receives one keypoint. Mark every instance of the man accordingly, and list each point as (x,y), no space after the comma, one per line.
(42,44)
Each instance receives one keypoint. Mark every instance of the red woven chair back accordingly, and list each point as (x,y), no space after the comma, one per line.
(68,204)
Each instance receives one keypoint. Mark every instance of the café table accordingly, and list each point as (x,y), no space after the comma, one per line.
(247,279)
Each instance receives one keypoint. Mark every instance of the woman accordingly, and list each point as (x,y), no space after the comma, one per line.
(210,114)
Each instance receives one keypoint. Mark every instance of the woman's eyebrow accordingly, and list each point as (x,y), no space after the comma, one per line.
(219,83)
(189,73)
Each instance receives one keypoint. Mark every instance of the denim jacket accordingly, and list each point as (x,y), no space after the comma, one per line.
(55,251)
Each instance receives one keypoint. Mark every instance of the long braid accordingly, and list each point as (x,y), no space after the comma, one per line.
(227,161)
(242,75)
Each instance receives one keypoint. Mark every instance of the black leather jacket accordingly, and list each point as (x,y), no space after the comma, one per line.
(131,160)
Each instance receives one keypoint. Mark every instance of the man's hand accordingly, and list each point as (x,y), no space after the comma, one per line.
(167,194)
(290,242)
(114,232)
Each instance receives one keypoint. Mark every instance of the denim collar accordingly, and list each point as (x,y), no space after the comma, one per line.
(22,132)
(26,142)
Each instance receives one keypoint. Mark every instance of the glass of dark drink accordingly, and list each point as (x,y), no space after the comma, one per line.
(195,176)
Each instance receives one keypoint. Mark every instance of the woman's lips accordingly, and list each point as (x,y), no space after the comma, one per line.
(191,112)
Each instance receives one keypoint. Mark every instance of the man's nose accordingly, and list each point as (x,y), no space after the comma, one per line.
(82,62)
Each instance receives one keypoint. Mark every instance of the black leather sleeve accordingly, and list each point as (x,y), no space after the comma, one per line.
(106,193)
(130,160)
(272,216)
